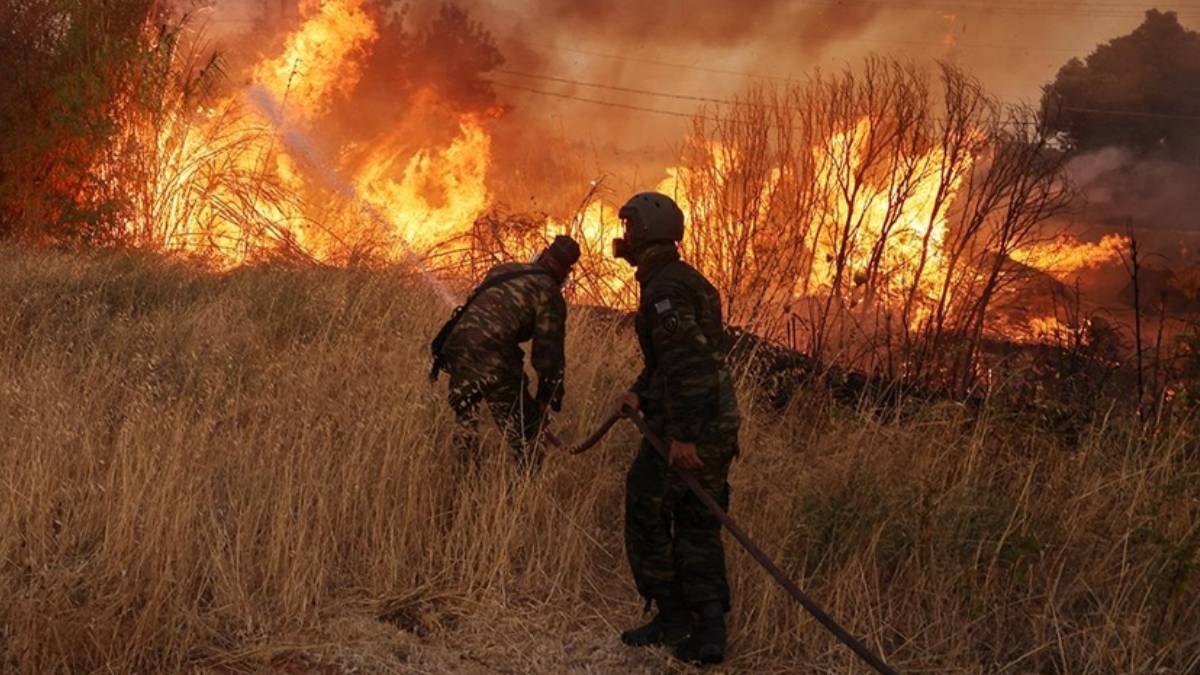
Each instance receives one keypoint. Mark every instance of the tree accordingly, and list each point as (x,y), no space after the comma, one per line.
(1152,75)
(71,68)
(869,216)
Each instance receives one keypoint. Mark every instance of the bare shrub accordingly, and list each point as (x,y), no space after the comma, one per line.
(870,214)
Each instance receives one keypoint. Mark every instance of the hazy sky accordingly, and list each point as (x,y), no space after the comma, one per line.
(1013,45)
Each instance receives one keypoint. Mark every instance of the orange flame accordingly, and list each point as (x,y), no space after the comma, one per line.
(321,60)
(233,187)
(1066,256)
(421,198)
(440,191)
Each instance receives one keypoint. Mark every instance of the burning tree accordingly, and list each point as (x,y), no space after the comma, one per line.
(870,216)
(75,71)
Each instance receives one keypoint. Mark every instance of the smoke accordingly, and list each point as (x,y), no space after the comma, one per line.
(1119,187)
(686,23)
(1157,197)
(715,48)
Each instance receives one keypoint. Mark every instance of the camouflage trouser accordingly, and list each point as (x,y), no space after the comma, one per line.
(511,406)
(672,540)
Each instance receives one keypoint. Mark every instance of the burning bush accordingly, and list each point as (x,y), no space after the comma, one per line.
(870,216)
(76,73)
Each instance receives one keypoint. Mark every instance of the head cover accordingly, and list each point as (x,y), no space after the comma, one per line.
(648,217)
(560,255)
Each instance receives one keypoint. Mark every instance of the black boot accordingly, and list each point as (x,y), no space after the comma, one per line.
(707,642)
(669,627)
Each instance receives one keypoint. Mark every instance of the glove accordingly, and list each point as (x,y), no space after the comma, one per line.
(550,393)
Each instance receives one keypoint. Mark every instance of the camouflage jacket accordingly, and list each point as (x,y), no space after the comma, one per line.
(485,345)
(685,384)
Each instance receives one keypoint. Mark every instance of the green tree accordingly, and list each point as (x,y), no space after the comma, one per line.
(1151,75)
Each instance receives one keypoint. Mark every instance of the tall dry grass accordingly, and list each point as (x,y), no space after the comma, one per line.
(248,472)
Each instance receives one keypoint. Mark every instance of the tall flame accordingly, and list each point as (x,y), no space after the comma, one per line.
(439,192)
(415,198)
(322,59)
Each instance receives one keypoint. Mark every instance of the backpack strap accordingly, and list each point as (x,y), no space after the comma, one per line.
(439,361)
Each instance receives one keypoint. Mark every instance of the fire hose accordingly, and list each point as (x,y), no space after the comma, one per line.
(861,650)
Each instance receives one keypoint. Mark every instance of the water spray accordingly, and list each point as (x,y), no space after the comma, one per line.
(298,142)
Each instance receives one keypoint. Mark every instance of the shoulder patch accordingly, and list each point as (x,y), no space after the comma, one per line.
(663,306)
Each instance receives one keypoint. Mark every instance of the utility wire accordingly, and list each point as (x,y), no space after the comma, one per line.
(681,114)
(628,90)
(613,104)
(1132,113)
(650,61)
(758,76)
(729,102)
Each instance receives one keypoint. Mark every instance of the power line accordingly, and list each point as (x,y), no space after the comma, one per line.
(729,102)
(761,76)
(649,92)
(613,104)
(1133,113)
(673,113)
(628,90)
(1140,228)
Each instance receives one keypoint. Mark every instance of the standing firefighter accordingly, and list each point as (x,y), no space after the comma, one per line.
(480,347)
(686,395)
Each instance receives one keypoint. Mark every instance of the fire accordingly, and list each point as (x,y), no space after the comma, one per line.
(244,178)
(1066,256)
(855,233)
(916,233)
(440,191)
(1049,327)
(897,250)
(950,38)
(408,192)
(321,59)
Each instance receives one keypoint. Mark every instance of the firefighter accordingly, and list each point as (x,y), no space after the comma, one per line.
(480,347)
(686,395)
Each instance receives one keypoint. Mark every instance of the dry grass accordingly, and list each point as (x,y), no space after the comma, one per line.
(249,473)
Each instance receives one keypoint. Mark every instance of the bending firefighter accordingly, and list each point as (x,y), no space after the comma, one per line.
(480,348)
(686,395)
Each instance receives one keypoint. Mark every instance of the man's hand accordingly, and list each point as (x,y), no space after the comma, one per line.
(549,395)
(684,456)
(627,403)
